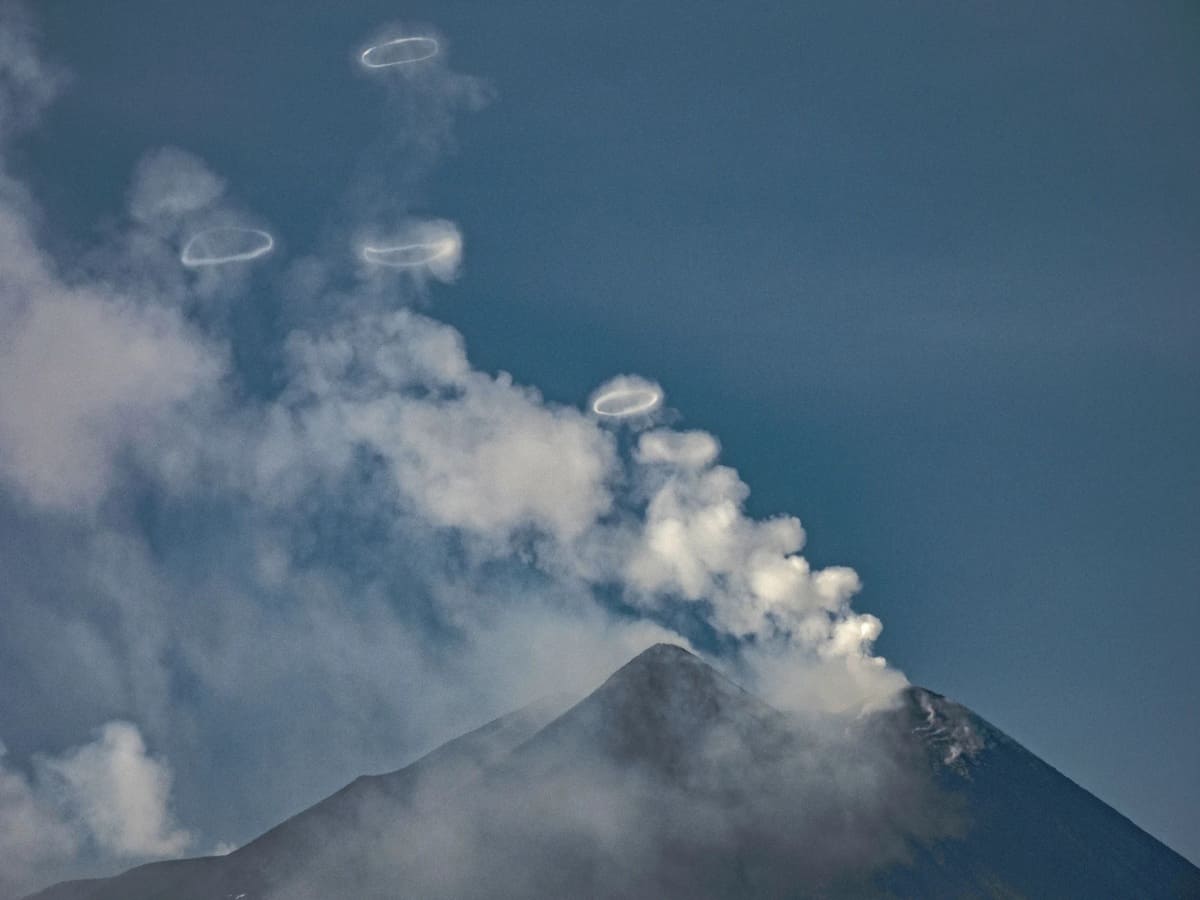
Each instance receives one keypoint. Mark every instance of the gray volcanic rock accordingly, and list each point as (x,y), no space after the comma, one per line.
(1032,832)
(291,846)
(671,781)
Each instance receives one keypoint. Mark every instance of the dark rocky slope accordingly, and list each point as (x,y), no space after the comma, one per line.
(671,781)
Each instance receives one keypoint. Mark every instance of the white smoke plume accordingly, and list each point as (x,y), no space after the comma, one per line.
(107,796)
(33,839)
(170,184)
(28,82)
(119,793)
(420,101)
(389,547)
(82,369)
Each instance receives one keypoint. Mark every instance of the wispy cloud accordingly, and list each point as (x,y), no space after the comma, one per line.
(106,797)
(28,82)
(383,547)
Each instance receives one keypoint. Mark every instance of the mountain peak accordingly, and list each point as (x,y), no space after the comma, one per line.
(667,674)
(669,780)
(664,657)
(658,708)
(664,651)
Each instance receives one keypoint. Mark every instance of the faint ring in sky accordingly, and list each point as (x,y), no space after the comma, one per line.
(217,246)
(399,52)
(622,402)
(408,256)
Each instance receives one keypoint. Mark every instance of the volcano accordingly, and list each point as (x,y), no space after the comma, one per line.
(669,780)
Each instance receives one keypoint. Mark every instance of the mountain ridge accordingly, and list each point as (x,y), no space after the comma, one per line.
(731,797)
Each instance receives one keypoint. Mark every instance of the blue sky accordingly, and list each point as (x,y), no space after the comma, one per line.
(928,273)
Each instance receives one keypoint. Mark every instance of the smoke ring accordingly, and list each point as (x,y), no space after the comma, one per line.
(624,402)
(401,51)
(408,256)
(218,246)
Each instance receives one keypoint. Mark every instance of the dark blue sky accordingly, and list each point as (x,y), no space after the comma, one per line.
(929,271)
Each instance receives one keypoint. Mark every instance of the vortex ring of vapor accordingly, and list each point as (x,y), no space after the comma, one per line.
(408,256)
(429,44)
(194,259)
(624,402)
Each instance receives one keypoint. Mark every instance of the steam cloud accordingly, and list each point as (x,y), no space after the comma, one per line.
(388,519)
(108,795)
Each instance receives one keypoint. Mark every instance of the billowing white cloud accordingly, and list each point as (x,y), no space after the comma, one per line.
(81,376)
(88,369)
(696,542)
(466,450)
(108,796)
(685,449)
(495,459)
(475,453)
(170,184)
(27,81)
(418,543)
(119,793)
(33,838)
(853,682)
